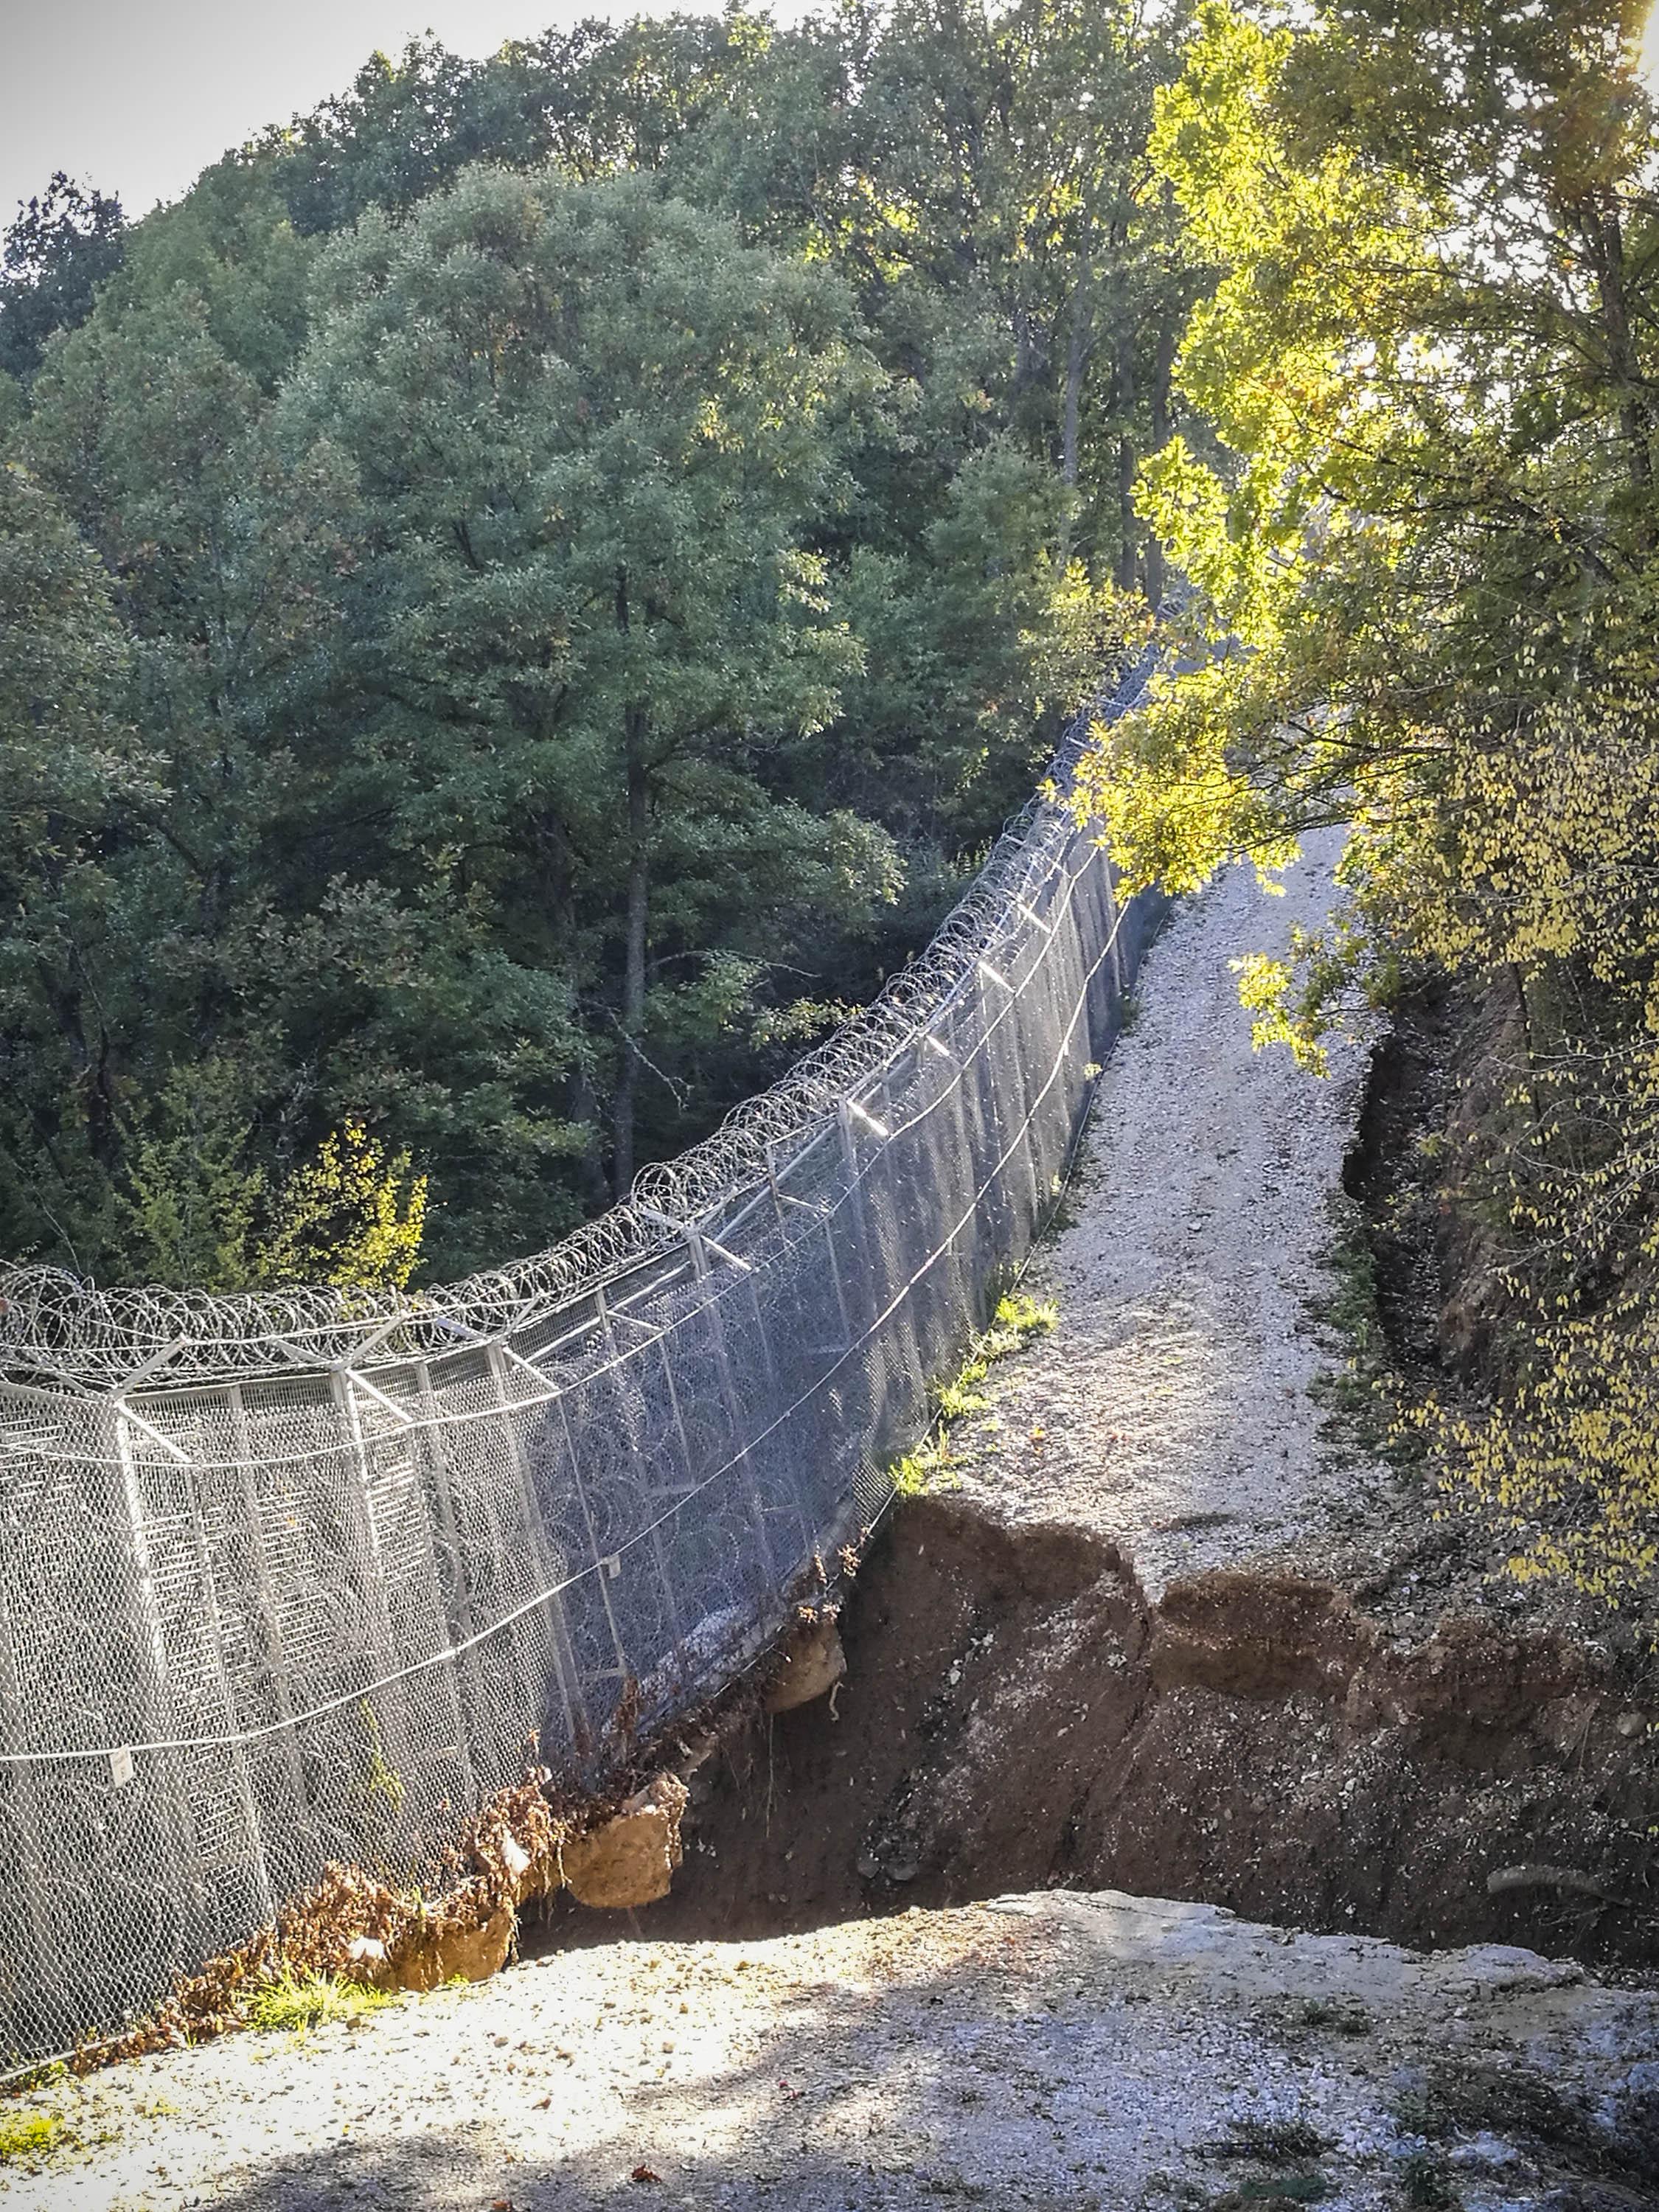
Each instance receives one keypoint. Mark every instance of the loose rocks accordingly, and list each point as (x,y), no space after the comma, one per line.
(812,1666)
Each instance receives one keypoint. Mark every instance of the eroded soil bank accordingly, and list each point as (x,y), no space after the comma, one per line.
(1017,1716)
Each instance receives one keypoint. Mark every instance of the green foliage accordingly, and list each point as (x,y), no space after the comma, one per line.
(199,1207)
(61,247)
(591,542)
(1342,2015)
(1425,2180)
(25,2136)
(1274,2143)
(353,1215)
(1016,1318)
(1428,361)
(297,2004)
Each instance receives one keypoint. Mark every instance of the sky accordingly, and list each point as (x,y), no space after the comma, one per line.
(137,96)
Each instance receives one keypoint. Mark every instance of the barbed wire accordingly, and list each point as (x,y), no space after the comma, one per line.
(60,1333)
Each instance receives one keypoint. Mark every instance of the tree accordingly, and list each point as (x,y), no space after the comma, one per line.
(1431,354)
(64,242)
(586,617)
(69,767)
(593,434)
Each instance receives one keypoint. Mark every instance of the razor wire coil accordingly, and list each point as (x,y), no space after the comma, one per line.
(301,1576)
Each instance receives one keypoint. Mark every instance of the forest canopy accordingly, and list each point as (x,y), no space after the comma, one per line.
(529,590)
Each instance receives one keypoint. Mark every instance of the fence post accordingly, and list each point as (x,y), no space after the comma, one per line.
(270,1626)
(659,1551)
(173,1801)
(469,1700)
(370,1578)
(734,1407)
(22,1806)
(213,1628)
(600,1569)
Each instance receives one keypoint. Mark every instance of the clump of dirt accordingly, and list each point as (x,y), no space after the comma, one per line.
(1015,1715)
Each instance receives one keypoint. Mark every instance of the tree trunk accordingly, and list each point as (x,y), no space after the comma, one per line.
(1123,403)
(633,1005)
(1604,235)
(1076,360)
(1169,340)
(557,873)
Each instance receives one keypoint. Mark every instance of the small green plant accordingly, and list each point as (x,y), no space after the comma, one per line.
(1275,2189)
(24,2135)
(379,1790)
(40,2077)
(302,2004)
(1015,1318)
(1341,2016)
(960,1394)
(928,1468)
(1424,2180)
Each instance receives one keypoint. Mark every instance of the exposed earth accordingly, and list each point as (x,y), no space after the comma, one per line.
(1161,1636)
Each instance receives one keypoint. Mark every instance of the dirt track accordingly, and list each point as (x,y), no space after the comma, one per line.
(1167,1409)
(1058,2051)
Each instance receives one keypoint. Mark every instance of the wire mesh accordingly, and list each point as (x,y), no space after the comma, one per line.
(306,1575)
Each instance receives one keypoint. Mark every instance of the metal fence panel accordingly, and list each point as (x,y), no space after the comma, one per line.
(306,1575)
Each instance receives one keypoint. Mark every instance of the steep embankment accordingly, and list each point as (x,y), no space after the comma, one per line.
(1162,1634)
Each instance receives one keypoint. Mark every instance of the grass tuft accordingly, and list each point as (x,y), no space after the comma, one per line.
(1015,1319)
(1424,2180)
(25,2135)
(1274,2143)
(1343,2016)
(303,2003)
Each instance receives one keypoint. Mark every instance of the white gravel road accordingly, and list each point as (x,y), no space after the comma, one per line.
(1167,1409)
(1053,2051)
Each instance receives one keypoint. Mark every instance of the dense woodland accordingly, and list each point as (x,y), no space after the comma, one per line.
(531,588)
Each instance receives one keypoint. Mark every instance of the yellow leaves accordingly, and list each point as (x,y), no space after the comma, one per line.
(1416,509)
(1264,990)
(352,1217)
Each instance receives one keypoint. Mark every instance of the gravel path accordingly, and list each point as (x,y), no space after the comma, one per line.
(1051,2052)
(1167,1409)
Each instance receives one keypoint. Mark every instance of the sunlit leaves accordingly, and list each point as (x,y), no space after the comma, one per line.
(1425,571)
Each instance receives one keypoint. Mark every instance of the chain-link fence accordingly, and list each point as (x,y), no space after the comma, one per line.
(296,1577)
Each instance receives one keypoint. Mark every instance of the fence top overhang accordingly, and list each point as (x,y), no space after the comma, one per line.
(60,1334)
